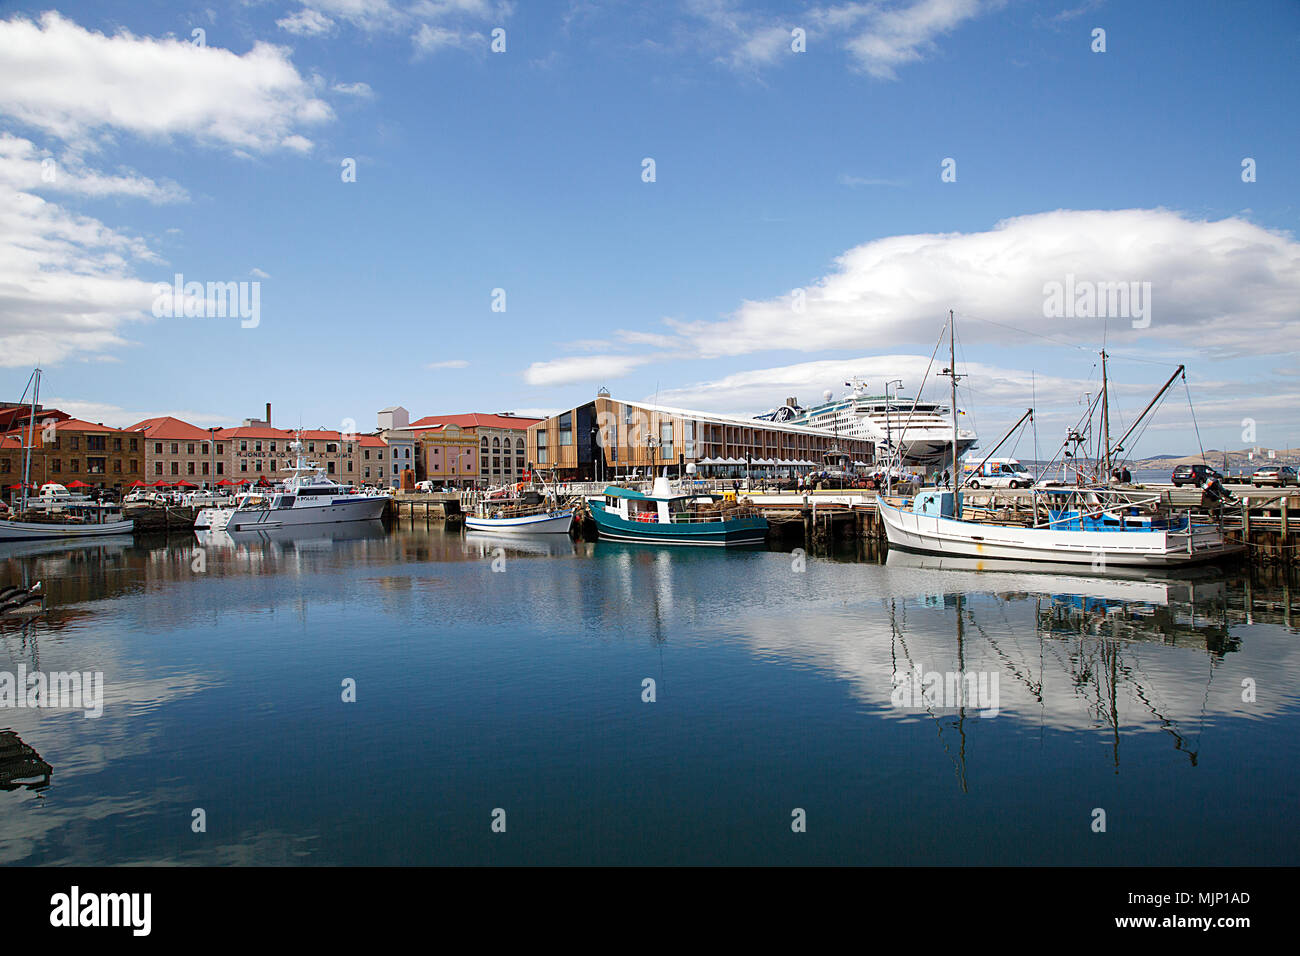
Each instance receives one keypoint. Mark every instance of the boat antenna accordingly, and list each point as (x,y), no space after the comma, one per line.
(951,372)
(1105,412)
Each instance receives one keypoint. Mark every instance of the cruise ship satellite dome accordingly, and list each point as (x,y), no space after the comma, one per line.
(826,395)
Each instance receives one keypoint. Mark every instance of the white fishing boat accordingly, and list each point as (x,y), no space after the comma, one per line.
(308,496)
(55,512)
(535,513)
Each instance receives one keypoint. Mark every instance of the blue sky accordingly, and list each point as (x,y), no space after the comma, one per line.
(775,170)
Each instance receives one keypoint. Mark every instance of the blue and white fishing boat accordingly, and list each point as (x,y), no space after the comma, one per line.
(665,517)
(1100,527)
(1072,526)
(553,521)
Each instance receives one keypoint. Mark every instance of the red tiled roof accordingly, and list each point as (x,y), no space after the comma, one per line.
(254,431)
(478,420)
(77,425)
(372,441)
(169,428)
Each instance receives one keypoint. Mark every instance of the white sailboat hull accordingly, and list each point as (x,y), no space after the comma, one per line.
(932,534)
(552,523)
(38,530)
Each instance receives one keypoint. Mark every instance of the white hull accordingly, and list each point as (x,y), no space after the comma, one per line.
(931,534)
(360,508)
(557,523)
(37,530)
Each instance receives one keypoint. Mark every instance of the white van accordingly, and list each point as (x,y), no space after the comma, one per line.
(996,473)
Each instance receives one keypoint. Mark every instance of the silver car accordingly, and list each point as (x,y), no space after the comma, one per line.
(1274,477)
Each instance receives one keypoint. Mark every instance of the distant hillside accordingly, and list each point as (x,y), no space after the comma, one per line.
(1237,460)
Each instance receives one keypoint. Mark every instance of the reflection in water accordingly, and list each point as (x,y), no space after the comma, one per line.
(493,670)
(21,767)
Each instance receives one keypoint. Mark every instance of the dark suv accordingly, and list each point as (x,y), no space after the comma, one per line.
(1193,475)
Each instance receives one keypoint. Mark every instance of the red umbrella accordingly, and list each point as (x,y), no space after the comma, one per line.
(138,484)
(160,484)
(77,484)
(226,481)
(185,484)
(19,487)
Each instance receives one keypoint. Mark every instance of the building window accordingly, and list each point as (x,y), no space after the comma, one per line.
(189,467)
(96,443)
(189,448)
(117,466)
(331,449)
(133,445)
(176,448)
(666,440)
(221,448)
(329,467)
(96,466)
(76,443)
(134,466)
(272,446)
(205,448)
(56,465)
(157,448)
(257,446)
(117,444)
(243,446)
(566,429)
(205,468)
(221,468)
(72,465)
(157,468)
(176,468)
(349,465)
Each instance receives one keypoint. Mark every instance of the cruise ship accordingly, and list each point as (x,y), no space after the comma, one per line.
(920,435)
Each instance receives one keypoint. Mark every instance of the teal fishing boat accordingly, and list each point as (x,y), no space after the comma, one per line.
(662,517)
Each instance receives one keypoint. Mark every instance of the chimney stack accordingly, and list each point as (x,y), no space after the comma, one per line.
(268,414)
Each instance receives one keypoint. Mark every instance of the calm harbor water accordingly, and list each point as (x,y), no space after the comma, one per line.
(515,678)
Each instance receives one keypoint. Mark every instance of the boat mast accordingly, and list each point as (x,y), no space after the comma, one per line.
(1105,412)
(31,434)
(952,372)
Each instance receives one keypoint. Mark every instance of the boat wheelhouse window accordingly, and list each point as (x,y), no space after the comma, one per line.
(285,501)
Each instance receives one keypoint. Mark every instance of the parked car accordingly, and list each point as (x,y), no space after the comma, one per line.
(1196,475)
(1276,477)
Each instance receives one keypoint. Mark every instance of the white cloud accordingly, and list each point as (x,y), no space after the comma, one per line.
(259,273)
(353,89)
(118,417)
(430,38)
(25,167)
(66,282)
(1225,287)
(74,84)
(306,23)
(582,368)
(450,363)
(879,35)
(891,36)
(433,24)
